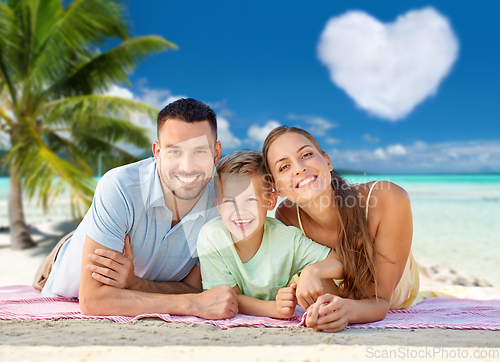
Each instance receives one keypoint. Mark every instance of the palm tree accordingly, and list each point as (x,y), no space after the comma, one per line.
(53,107)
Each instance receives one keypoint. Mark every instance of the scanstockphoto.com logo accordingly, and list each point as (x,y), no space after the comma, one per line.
(431,353)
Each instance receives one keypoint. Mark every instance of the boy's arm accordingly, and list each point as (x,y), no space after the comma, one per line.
(267,308)
(99,299)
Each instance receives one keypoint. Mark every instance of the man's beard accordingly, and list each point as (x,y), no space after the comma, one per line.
(185,192)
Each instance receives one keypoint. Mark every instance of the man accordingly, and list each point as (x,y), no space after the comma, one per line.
(152,210)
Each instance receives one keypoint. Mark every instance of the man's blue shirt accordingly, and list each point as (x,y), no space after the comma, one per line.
(129,201)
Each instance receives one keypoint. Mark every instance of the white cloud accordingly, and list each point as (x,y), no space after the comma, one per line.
(473,156)
(158,98)
(315,125)
(388,69)
(118,91)
(379,153)
(332,141)
(226,137)
(370,139)
(258,134)
(396,150)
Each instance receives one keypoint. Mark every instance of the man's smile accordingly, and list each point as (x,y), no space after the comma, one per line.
(188,181)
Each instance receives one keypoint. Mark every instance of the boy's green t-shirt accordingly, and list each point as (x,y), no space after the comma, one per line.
(284,252)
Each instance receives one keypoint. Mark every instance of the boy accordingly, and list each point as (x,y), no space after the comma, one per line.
(255,255)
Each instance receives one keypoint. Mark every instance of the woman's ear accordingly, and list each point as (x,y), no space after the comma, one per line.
(328,162)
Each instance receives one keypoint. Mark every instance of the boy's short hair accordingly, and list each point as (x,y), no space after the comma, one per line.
(242,162)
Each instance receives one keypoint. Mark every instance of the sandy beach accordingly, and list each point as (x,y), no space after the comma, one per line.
(105,340)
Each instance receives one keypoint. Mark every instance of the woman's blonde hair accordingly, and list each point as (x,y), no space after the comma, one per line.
(354,248)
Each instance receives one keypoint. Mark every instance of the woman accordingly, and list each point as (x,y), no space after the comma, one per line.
(369,226)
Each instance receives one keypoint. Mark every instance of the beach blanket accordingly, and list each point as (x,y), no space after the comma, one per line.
(479,310)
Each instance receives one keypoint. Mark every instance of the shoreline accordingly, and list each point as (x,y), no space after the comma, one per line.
(104,340)
(18,267)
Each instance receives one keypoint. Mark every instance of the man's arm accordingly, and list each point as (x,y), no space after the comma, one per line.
(97,298)
(117,270)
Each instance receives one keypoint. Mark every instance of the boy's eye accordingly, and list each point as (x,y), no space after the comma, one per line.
(228,201)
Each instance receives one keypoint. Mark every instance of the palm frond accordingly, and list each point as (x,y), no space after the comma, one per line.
(9,49)
(47,175)
(110,67)
(83,23)
(81,110)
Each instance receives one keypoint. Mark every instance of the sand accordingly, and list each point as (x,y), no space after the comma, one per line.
(93,340)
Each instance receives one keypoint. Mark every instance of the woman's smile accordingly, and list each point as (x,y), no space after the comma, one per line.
(306,181)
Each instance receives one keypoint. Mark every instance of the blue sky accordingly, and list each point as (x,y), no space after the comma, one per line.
(258,64)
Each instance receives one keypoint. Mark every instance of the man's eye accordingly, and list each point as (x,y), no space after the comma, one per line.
(173,152)
(252,199)
(201,151)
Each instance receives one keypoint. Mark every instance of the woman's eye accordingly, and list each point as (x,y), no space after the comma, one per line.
(283,168)
(307,154)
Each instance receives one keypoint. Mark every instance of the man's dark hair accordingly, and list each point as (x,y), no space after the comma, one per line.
(188,110)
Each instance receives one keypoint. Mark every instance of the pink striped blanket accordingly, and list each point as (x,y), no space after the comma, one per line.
(25,303)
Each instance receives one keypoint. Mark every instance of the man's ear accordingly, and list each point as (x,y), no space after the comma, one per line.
(328,162)
(218,152)
(156,149)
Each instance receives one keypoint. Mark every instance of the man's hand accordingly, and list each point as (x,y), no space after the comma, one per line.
(116,270)
(215,303)
(309,287)
(286,301)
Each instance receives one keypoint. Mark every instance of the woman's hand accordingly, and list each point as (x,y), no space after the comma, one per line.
(286,301)
(330,313)
(309,287)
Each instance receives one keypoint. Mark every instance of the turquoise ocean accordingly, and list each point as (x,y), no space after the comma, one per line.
(456,218)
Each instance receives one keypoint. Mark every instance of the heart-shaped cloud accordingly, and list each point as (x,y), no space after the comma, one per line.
(388,69)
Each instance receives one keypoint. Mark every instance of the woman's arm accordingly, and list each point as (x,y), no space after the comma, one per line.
(316,280)
(390,224)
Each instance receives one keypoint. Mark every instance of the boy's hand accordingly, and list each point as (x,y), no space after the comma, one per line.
(309,288)
(286,301)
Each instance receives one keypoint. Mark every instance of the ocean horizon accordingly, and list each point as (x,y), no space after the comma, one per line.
(455,218)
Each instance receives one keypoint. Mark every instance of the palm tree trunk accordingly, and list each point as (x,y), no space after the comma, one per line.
(20,237)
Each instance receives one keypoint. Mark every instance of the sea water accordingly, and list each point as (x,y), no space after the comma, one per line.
(456,218)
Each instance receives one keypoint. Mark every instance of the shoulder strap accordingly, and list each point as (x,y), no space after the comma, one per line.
(300,222)
(368,199)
